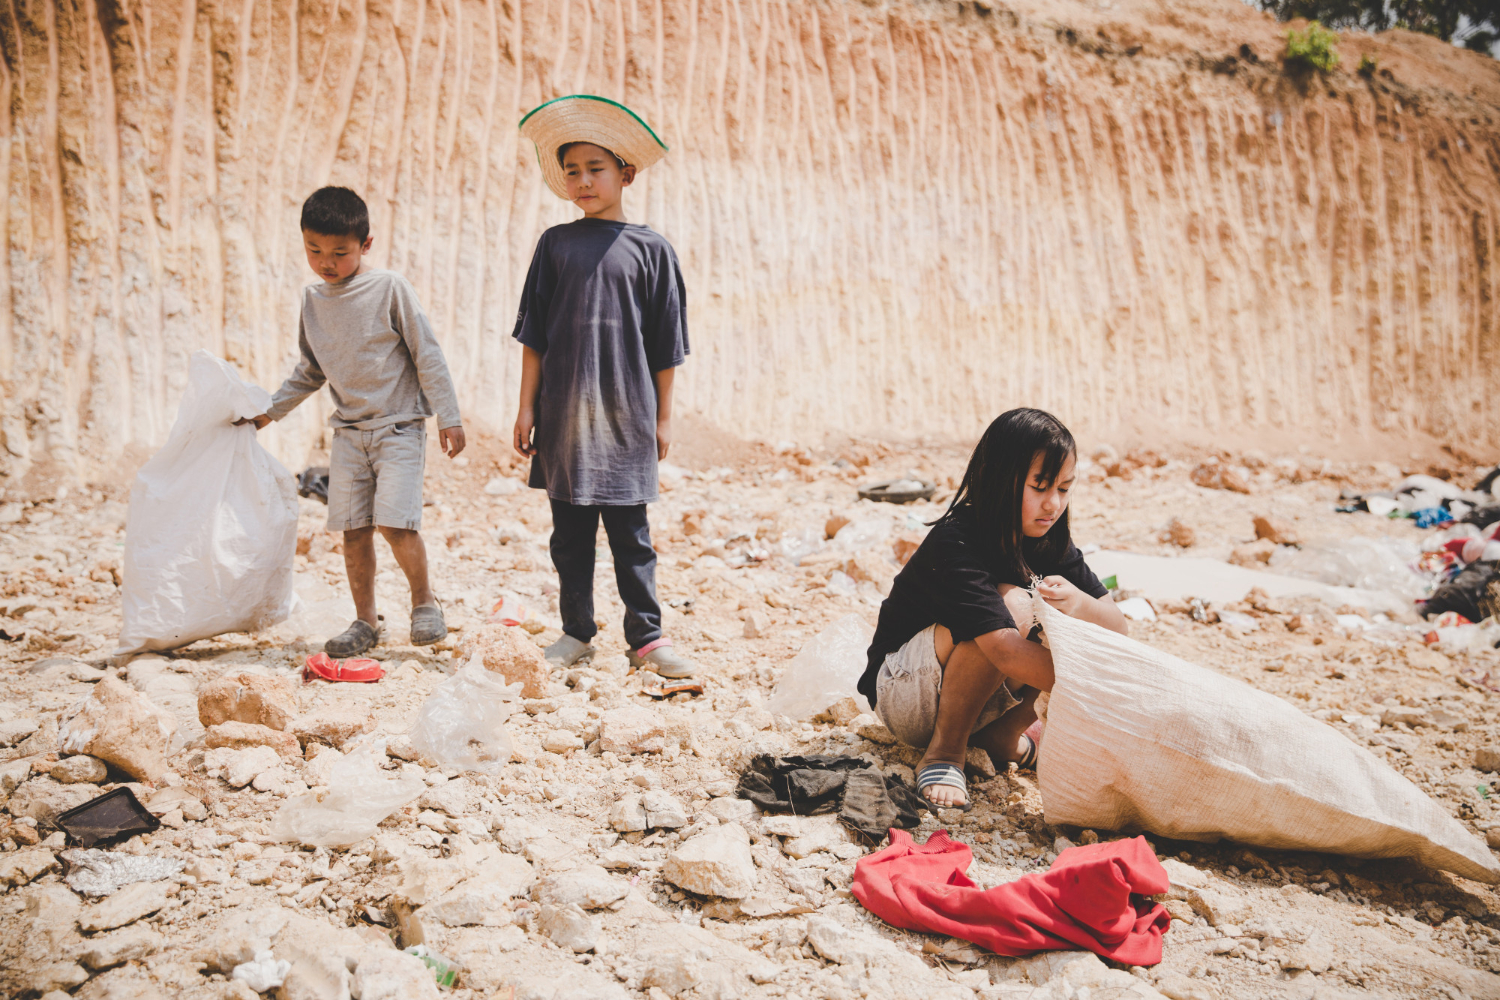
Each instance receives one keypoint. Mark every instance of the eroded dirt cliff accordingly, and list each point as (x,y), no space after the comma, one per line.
(898,217)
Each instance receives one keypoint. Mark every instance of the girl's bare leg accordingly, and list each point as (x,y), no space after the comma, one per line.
(1001,739)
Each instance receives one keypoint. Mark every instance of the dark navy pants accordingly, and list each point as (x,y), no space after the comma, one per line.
(574,533)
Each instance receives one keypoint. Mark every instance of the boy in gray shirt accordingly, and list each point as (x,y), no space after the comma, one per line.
(363,333)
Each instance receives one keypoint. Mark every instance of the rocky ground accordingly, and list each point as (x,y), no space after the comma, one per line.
(608,856)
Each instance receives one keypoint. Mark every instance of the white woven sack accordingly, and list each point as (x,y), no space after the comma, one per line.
(1141,740)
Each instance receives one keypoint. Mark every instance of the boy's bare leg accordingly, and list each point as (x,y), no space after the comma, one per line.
(359,566)
(411,555)
(969,681)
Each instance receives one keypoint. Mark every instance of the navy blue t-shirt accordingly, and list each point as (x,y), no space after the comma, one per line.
(948,581)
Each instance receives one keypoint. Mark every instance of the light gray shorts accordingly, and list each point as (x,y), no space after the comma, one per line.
(907,689)
(375,476)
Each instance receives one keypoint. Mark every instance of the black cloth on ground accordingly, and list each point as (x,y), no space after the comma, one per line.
(1467,593)
(867,802)
(950,581)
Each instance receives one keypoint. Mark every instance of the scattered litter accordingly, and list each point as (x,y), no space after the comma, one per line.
(667,690)
(313,484)
(899,491)
(867,802)
(265,973)
(444,969)
(114,814)
(462,723)
(321,666)
(826,669)
(100,873)
(1378,564)
(212,529)
(507,611)
(1137,609)
(359,795)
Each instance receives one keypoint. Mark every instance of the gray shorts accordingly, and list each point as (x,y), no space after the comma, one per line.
(907,689)
(375,476)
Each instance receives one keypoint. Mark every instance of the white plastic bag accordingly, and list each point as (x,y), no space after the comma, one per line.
(827,669)
(212,529)
(462,723)
(1379,564)
(359,795)
(1140,740)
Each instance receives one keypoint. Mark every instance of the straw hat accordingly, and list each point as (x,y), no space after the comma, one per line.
(586,118)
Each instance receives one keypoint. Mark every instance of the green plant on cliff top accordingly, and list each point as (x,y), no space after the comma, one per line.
(1312,48)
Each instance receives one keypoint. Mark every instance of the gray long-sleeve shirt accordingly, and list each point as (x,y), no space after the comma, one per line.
(368,338)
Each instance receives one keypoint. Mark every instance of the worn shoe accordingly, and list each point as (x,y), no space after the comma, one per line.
(660,657)
(427,625)
(359,637)
(567,651)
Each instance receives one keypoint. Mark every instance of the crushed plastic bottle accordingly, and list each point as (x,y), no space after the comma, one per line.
(462,723)
(359,795)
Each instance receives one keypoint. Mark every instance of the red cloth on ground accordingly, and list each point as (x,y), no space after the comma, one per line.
(1083,901)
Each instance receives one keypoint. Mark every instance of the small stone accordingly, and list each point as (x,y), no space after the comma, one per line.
(1492,837)
(105,951)
(16,730)
(1220,907)
(387,974)
(333,725)
(844,711)
(1404,714)
(1487,758)
(243,735)
(120,726)
(238,936)
(21,867)
(509,652)
(1254,555)
(672,972)
(628,815)
(1216,476)
(245,765)
(125,907)
(872,729)
(43,799)
(258,699)
(560,741)
(1181,535)
(663,811)
(12,773)
(1313,955)
(716,862)
(79,769)
(1276,530)
(635,729)
(569,927)
(834,525)
(757,625)
(59,976)
(589,887)
(732,810)
(819,833)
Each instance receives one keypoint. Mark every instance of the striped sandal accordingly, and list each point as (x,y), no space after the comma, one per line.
(1033,744)
(948,775)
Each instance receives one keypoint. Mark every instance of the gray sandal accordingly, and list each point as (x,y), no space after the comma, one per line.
(359,637)
(427,625)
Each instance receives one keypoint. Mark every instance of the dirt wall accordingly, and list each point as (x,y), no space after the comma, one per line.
(895,218)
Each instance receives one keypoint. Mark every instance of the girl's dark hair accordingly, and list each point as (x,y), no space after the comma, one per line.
(995,481)
(336,211)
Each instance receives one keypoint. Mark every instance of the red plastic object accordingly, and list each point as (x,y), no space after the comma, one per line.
(321,666)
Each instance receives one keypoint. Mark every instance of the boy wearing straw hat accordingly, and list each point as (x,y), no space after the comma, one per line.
(602,327)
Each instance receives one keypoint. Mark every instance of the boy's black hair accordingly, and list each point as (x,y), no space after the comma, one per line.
(336,211)
(995,482)
(580,142)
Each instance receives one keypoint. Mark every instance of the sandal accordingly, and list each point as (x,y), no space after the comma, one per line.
(321,666)
(427,625)
(1033,738)
(659,656)
(943,773)
(359,637)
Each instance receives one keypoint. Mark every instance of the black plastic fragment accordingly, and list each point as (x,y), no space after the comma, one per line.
(114,814)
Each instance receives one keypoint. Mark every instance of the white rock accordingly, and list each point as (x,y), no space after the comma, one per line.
(569,927)
(782,825)
(589,888)
(238,936)
(672,972)
(126,906)
(12,773)
(105,951)
(716,862)
(264,972)
(820,833)
(663,810)
(248,764)
(560,741)
(1220,906)
(635,729)
(387,974)
(628,815)
(732,810)
(850,947)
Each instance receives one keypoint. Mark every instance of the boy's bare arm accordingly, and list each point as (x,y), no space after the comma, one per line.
(663,380)
(531,386)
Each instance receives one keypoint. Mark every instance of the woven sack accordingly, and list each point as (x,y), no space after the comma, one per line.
(1141,740)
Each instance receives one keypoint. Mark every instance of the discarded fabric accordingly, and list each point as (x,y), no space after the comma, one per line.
(313,484)
(114,814)
(101,873)
(1093,897)
(867,802)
